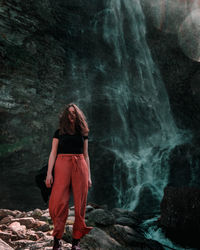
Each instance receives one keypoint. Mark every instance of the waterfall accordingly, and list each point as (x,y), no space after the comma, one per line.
(144,132)
(119,80)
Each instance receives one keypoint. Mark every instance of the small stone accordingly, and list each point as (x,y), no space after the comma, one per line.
(6,220)
(45,217)
(71,213)
(89,208)
(29,222)
(17,227)
(37,213)
(6,212)
(42,226)
(40,234)
(3,227)
(31,235)
(70,220)
(21,215)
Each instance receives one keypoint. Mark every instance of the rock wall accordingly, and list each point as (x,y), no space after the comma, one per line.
(32,69)
(180,214)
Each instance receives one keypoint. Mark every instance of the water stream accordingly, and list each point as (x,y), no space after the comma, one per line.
(138,96)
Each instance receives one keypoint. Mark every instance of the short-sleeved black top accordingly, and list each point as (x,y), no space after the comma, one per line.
(70,144)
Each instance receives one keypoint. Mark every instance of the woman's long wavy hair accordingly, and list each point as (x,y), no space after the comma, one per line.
(81,125)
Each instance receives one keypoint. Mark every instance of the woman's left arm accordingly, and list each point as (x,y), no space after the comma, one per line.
(86,156)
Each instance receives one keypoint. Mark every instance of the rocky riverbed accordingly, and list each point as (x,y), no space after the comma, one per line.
(112,229)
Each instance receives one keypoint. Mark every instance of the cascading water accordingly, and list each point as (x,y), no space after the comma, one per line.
(122,76)
(139,97)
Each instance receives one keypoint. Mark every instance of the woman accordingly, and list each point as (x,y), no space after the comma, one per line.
(72,168)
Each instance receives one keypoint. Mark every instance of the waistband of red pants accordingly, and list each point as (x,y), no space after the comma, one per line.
(70,155)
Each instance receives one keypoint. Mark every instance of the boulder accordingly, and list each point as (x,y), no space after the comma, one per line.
(180,214)
(131,238)
(126,221)
(37,213)
(98,239)
(101,216)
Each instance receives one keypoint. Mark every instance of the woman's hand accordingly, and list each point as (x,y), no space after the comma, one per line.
(89,183)
(49,180)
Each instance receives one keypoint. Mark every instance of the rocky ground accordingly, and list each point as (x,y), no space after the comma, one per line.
(112,229)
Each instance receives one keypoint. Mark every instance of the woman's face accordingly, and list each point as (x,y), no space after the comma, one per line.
(72,114)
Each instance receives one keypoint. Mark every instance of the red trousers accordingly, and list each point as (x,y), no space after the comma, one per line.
(70,169)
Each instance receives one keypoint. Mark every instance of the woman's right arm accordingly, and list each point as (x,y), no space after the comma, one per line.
(52,157)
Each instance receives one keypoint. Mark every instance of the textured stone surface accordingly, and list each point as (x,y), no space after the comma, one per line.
(17,227)
(105,236)
(180,215)
(32,68)
(184,167)
(4,245)
(102,217)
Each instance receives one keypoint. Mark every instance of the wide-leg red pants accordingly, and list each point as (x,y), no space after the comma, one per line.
(70,169)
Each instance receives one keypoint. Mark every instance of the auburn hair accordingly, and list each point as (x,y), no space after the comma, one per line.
(81,125)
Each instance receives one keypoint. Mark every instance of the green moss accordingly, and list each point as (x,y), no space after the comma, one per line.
(6,149)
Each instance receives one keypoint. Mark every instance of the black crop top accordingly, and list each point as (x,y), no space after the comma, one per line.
(70,144)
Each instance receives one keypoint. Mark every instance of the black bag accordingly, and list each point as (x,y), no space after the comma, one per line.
(40,182)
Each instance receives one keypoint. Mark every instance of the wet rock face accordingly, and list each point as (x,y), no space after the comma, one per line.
(32,68)
(184,167)
(180,214)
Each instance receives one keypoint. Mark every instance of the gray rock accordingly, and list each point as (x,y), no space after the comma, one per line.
(125,234)
(42,226)
(102,217)
(126,221)
(37,213)
(6,212)
(29,222)
(6,220)
(98,239)
(16,227)
(89,208)
(129,237)
(180,216)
